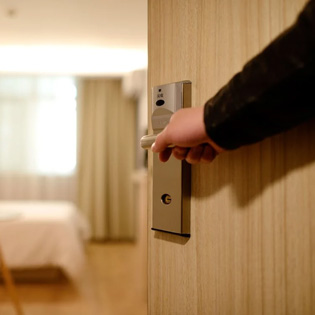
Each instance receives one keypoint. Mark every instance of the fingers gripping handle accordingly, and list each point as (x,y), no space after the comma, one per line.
(147,141)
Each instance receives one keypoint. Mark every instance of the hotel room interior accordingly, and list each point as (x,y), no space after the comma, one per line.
(73,106)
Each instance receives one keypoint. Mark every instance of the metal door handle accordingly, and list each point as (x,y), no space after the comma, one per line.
(148,140)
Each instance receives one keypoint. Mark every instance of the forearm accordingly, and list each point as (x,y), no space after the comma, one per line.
(273,92)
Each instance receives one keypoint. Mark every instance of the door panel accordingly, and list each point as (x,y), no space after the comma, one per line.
(251,249)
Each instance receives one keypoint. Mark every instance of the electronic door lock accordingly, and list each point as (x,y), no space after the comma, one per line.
(172,179)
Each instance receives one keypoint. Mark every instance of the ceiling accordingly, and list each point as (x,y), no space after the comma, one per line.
(75,29)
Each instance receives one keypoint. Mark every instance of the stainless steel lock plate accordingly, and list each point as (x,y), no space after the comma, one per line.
(171,180)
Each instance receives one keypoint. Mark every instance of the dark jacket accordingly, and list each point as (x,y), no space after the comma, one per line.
(275,90)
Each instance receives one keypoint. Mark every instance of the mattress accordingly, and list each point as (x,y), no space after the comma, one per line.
(34,234)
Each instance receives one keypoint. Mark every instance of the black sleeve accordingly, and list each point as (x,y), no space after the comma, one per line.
(274,92)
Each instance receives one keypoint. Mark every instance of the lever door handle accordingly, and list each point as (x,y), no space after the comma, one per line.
(147,141)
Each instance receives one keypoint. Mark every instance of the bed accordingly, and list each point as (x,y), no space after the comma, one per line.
(36,234)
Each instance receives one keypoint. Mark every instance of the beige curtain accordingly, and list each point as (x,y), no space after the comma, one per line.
(106,158)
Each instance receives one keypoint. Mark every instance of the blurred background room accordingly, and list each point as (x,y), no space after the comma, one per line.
(73,107)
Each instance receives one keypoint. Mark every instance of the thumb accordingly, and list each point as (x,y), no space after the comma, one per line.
(161,142)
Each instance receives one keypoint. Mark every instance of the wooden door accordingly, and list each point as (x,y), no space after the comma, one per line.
(252,245)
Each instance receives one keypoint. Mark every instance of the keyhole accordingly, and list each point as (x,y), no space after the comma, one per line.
(166,199)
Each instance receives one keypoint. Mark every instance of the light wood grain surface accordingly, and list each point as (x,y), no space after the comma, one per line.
(252,245)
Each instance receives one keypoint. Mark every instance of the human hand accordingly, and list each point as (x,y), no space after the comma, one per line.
(187,133)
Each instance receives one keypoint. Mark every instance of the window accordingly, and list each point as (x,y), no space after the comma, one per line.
(38,125)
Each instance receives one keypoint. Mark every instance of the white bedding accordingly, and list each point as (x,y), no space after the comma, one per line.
(41,234)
